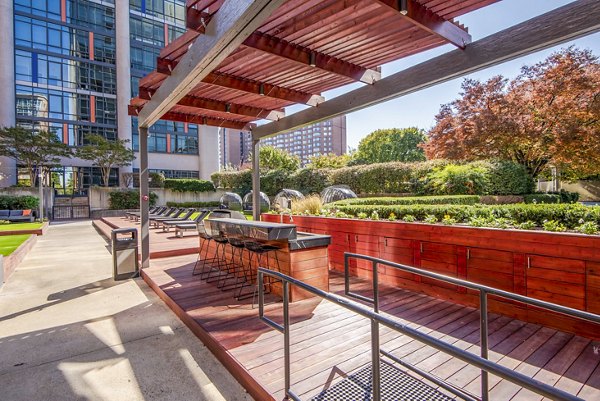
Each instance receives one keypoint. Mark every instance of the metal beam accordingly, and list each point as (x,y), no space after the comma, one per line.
(144,197)
(222,107)
(234,22)
(566,23)
(255,180)
(424,18)
(307,57)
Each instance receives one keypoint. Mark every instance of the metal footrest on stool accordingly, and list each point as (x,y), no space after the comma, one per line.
(395,386)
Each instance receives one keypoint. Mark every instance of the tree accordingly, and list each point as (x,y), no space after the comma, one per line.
(37,150)
(106,154)
(388,145)
(549,114)
(272,158)
(329,160)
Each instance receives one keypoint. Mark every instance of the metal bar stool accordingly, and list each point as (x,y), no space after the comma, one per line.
(205,239)
(224,266)
(260,251)
(238,269)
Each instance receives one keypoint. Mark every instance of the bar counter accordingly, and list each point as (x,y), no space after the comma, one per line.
(301,255)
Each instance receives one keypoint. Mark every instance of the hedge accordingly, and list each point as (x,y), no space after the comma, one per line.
(194,204)
(570,215)
(421,178)
(189,185)
(12,202)
(411,200)
(119,200)
(552,197)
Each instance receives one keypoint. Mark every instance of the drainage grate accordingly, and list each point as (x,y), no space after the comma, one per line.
(395,386)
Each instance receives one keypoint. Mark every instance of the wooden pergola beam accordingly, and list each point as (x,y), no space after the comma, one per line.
(305,56)
(257,88)
(197,119)
(222,107)
(566,23)
(424,18)
(235,21)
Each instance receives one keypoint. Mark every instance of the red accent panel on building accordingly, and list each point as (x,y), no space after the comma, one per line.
(93,108)
(63,10)
(91,40)
(65,133)
(166,34)
(168,143)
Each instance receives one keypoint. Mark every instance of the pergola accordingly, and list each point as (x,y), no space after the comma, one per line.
(246,60)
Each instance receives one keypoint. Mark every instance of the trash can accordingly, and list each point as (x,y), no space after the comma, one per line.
(124,243)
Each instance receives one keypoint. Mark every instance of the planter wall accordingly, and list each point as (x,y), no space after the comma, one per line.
(99,196)
(559,268)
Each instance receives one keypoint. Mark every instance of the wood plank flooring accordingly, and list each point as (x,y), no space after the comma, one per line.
(329,342)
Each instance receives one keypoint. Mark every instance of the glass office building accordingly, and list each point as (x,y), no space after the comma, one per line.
(67,78)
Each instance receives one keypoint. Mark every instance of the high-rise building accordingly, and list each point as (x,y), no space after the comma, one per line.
(77,63)
(315,139)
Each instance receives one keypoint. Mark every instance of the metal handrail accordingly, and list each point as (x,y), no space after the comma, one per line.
(377,319)
(483,304)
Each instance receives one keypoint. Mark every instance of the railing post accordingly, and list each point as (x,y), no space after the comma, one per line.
(483,342)
(375,360)
(375,287)
(286,338)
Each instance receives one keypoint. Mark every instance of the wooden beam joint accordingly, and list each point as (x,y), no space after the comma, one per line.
(422,17)
(272,45)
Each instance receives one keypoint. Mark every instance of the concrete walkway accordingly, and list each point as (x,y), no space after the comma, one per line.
(69,332)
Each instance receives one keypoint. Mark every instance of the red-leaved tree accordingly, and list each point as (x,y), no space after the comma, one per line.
(549,114)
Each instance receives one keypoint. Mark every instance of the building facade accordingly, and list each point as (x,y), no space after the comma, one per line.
(315,139)
(77,63)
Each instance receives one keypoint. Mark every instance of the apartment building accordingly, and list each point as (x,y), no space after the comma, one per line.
(315,139)
(76,65)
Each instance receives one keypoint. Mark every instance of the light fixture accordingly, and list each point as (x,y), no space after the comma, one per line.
(227,107)
(313,59)
(261,89)
(403,7)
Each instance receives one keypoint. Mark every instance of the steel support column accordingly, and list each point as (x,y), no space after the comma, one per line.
(144,197)
(255,180)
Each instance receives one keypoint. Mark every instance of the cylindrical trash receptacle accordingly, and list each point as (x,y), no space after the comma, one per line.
(124,243)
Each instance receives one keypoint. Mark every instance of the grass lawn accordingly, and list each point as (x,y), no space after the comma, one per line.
(20,226)
(9,243)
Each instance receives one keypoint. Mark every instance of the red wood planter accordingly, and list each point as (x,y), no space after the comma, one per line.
(555,267)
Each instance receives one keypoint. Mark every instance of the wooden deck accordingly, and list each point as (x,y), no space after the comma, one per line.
(329,342)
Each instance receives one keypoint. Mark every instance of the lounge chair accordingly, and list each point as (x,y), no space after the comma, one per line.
(180,228)
(179,217)
(190,224)
(164,213)
(155,209)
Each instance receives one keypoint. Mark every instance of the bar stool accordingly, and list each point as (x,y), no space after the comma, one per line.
(260,251)
(205,239)
(224,265)
(237,268)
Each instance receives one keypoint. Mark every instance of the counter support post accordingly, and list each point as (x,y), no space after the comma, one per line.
(255,180)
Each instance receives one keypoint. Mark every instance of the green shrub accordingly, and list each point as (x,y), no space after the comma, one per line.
(119,200)
(508,178)
(569,215)
(199,205)
(552,197)
(542,198)
(157,180)
(18,202)
(309,181)
(459,180)
(553,225)
(411,200)
(274,181)
(239,182)
(189,185)
(589,227)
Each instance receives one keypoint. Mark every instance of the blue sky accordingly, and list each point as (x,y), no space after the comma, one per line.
(419,109)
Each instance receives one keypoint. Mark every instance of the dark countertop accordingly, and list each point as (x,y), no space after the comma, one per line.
(267,231)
